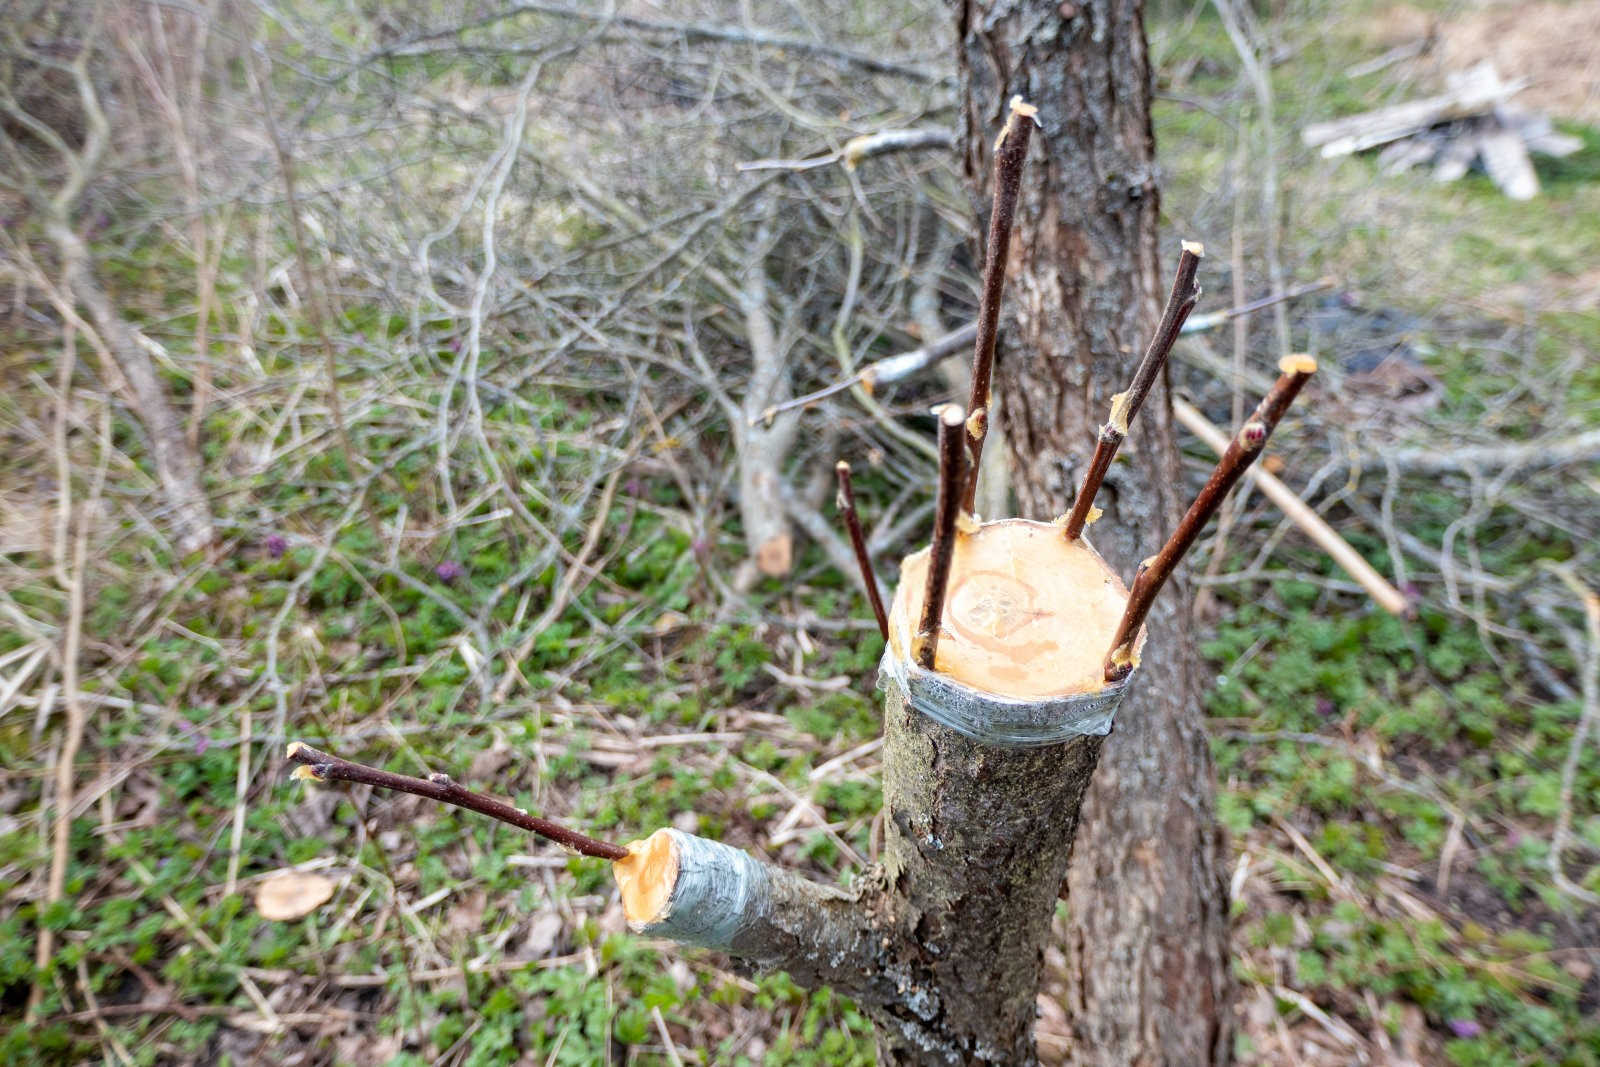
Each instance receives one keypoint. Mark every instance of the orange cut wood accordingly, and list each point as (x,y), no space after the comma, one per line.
(646,877)
(1029,614)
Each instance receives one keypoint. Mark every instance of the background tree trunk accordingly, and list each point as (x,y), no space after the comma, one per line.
(1148,944)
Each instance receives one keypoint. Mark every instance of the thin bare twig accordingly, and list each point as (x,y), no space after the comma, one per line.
(76,714)
(846,502)
(942,551)
(1242,451)
(861,148)
(1010,151)
(1212,319)
(881,372)
(316,287)
(1315,527)
(326,767)
(1125,406)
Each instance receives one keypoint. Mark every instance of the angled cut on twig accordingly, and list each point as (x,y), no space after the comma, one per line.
(1125,406)
(925,645)
(1010,151)
(1242,451)
(846,502)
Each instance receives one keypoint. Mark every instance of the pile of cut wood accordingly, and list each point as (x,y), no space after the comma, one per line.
(1472,122)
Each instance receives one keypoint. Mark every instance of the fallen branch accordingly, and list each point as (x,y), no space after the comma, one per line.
(1379,588)
(862,148)
(883,371)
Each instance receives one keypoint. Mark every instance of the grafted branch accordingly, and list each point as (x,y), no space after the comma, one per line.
(946,512)
(1011,150)
(858,541)
(1125,406)
(1242,451)
(326,767)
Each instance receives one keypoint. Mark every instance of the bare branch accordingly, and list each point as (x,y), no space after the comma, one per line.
(326,767)
(852,521)
(862,148)
(1315,527)
(1011,150)
(942,550)
(1125,406)
(1242,451)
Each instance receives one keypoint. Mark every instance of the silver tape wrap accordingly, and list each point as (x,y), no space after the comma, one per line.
(717,891)
(998,720)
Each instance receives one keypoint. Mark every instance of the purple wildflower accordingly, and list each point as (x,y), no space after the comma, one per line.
(277,545)
(1464,1028)
(449,571)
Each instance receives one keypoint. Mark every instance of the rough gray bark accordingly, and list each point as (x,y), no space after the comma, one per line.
(976,841)
(1148,978)
(942,946)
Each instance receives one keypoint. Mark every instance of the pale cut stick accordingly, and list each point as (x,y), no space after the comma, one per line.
(1326,537)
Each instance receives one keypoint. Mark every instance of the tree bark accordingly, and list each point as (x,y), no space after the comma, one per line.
(1148,978)
(976,841)
(942,945)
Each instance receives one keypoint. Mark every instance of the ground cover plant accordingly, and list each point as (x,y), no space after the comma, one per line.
(538,478)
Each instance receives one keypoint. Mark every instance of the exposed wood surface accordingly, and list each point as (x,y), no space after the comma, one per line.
(1028,614)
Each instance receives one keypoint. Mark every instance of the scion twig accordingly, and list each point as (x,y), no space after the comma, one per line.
(1010,150)
(846,502)
(326,767)
(1124,406)
(943,548)
(1242,451)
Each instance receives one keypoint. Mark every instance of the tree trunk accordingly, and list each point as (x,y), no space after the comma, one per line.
(1148,949)
(942,946)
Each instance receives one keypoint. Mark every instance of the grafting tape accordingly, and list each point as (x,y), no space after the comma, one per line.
(995,719)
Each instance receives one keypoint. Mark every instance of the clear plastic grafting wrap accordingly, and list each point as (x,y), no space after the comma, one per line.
(998,720)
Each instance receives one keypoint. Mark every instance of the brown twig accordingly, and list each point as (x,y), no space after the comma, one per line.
(1242,451)
(1124,406)
(1010,150)
(942,550)
(1298,512)
(326,767)
(846,501)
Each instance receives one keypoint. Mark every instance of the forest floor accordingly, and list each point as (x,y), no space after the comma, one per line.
(1391,787)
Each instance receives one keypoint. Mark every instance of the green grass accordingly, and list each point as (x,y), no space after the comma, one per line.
(1386,746)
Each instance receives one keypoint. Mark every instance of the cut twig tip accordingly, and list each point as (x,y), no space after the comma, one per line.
(845,499)
(1125,405)
(1298,363)
(295,748)
(1241,452)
